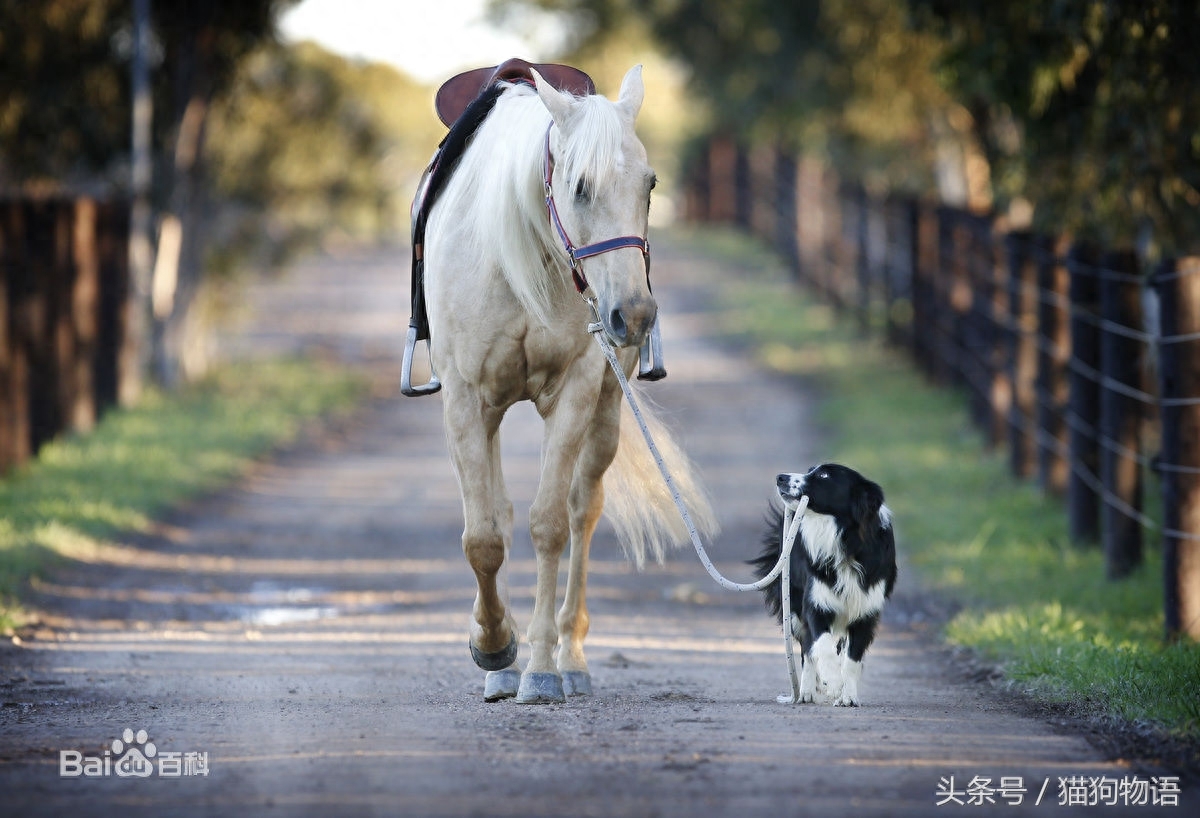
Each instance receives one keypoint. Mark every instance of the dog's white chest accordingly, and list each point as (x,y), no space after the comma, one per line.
(847,600)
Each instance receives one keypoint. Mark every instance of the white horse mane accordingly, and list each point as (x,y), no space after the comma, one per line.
(498,188)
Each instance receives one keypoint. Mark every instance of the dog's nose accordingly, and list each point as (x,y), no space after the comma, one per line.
(783,480)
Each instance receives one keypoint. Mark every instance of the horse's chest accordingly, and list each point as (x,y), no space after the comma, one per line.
(527,366)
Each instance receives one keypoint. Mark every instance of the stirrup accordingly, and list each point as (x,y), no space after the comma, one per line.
(650,356)
(406,386)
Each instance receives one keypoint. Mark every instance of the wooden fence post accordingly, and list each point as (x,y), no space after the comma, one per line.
(1022,352)
(743,184)
(722,180)
(1121,412)
(924,305)
(862,257)
(810,221)
(1054,353)
(831,240)
(944,352)
(785,237)
(989,307)
(113,262)
(1178,285)
(1083,503)
(85,313)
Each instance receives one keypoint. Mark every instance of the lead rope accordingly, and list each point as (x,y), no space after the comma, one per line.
(791,521)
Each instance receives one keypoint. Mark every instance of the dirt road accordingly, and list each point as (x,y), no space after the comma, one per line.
(296,645)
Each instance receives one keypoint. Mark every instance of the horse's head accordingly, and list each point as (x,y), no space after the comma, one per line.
(601,185)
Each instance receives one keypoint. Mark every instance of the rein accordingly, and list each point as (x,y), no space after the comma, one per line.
(791,520)
(578,254)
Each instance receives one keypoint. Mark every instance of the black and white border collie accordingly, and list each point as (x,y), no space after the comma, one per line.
(843,568)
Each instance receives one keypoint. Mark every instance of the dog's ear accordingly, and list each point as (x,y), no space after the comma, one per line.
(865,501)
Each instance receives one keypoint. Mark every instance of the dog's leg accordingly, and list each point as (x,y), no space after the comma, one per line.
(808,679)
(829,671)
(861,634)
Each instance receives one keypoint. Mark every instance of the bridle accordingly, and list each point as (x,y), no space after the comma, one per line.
(578,254)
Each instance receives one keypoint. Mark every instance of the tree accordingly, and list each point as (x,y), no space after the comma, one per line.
(65,113)
(1085,108)
(848,79)
(305,143)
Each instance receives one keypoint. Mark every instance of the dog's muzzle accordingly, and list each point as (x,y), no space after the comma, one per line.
(791,487)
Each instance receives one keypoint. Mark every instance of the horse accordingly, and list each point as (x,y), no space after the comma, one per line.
(502,281)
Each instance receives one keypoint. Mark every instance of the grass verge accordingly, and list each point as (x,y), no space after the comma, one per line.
(140,462)
(1033,604)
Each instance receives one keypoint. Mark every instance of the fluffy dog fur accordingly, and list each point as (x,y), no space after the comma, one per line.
(843,569)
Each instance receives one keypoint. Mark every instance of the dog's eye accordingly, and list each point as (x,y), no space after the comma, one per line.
(822,475)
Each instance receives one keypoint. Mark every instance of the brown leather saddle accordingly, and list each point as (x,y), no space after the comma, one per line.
(462,89)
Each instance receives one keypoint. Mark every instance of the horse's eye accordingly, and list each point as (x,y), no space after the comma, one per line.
(582,191)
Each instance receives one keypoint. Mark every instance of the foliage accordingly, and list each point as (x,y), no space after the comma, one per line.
(1086,108)
(1039,608)
(141,461)
(847,78)
(1083,107)
(64,79)
(64,103)
(306,142)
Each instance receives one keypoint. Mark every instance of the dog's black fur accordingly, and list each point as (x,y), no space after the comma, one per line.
(843,568)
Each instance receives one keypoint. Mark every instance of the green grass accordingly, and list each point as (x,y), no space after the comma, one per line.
(1032,603)
(140,462)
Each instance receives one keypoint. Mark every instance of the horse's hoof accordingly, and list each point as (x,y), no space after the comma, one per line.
(498,660)
(501,684)
(540,688)
(577,682)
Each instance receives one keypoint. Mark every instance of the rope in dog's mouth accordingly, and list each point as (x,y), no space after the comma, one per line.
(791,520)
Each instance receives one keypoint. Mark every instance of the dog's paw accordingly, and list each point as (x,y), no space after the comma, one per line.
(848,694)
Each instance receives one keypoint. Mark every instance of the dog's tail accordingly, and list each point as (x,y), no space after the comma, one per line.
(636,499)
(762,565)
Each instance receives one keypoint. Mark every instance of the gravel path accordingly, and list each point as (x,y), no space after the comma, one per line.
(304,632)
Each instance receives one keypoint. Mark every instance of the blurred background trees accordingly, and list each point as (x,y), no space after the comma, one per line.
(1081,109)
(259,149)
(1076,114)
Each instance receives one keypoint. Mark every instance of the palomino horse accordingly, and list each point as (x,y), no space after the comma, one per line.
(548,173)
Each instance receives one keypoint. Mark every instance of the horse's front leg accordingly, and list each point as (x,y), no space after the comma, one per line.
(473,439)
(586,504)
(550,529)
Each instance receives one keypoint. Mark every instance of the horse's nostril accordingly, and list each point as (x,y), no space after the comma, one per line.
(616,325)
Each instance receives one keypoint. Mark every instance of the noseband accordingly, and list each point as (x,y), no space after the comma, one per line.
(578,254)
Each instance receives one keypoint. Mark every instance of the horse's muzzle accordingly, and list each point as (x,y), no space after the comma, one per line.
(628,323)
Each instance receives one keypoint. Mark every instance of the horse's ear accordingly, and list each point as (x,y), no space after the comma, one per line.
(558,103)
(632,92)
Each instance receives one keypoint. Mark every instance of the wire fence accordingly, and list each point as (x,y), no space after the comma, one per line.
(1080,363)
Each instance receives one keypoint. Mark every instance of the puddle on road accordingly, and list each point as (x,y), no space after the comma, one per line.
(272,604)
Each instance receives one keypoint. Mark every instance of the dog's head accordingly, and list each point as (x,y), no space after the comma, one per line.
(836,491)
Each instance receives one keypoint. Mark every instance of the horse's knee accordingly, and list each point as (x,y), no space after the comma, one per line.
(485,552)
(549,532)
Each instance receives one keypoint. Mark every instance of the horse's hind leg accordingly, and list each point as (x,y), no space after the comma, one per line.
(473,439)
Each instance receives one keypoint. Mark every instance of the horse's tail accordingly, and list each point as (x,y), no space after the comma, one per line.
(636,499)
